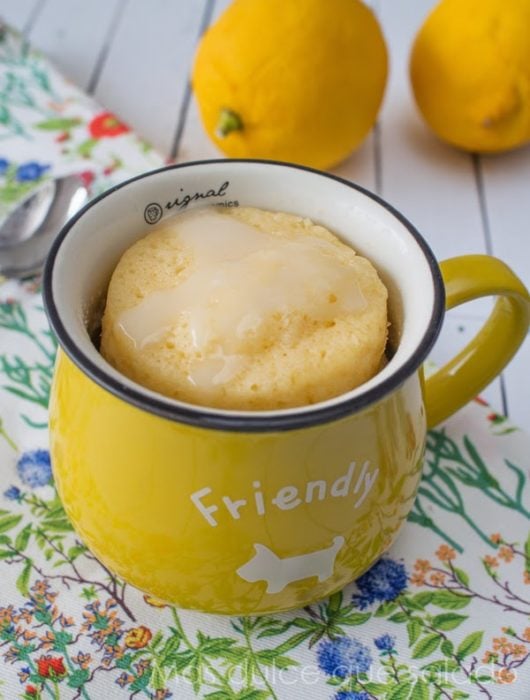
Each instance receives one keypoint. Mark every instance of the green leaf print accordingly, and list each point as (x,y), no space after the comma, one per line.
(354,619)
(527,554)
(420,600)
(57,525)
(29,380)
(414,628)
(385,609)
(450,600)
(9,522)
(85,149)
(23,578)
(461,576)
(335,602)
(142,683)
(470,645)
(22,539)
(401,692)
(6,437)
(426,646)
(376,689)
(448,468)
(58,124)
(76,551)
(399,617)
(78,678)
(447,648)
(420,691)
(448,621)
(442,665)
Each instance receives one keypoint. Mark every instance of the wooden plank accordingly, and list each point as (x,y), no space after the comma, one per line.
(505,179)
(18,13)
(361,166)
(506,187)
(194,142)
(517,378)
(431,183)
(73,34)
(503,184)
(146,72)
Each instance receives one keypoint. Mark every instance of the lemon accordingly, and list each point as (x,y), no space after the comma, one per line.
(470,72)
(295,80)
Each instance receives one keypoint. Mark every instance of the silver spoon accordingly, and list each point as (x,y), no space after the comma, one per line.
(28,231)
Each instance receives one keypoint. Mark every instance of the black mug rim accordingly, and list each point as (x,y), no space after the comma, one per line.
(252,422)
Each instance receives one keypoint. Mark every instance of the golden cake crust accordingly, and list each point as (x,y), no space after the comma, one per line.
(298,360)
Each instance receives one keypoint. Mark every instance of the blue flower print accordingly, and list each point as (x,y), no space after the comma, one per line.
(383,582)
(30,171)
(34,468)
(385,642)
(4,165)
(351,695)
(343,657)
(13,493)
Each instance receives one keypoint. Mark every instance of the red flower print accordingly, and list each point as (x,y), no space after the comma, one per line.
(87,177)
(106,124)
(495,418)
(31,690)
(50,666)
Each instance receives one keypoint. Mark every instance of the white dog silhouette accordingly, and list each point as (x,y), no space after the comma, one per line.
(278,572)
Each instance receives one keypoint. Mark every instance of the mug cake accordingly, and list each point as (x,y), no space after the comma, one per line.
(244,309)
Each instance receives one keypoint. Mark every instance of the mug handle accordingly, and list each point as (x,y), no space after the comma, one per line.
(483,358)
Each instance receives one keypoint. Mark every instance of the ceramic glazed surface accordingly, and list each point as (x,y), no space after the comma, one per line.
(213,520)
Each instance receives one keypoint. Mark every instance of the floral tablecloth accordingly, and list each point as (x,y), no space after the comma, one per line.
(445,614)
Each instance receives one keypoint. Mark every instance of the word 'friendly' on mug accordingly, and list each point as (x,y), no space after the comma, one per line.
(246,512)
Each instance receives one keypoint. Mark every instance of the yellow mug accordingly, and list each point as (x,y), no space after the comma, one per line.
(249,512)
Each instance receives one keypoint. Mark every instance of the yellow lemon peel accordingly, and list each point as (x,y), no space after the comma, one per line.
(470,73)
(295,81)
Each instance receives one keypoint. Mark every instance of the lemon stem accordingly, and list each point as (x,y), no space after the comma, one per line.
(228,121)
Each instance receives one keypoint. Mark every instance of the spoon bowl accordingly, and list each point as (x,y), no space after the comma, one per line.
(29,230)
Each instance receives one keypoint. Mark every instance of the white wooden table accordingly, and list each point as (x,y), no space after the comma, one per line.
(134,56)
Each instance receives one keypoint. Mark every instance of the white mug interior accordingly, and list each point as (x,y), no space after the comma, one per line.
(89,247)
